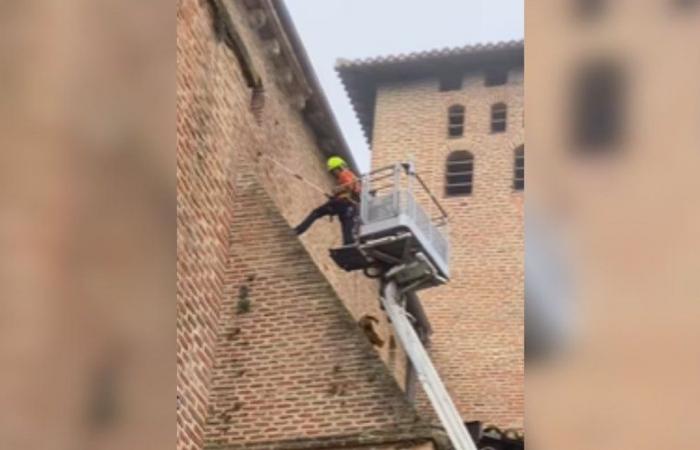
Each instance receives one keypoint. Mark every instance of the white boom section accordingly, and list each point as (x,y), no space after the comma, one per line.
(428,376)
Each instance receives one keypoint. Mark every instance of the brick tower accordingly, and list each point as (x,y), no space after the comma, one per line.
(458,114)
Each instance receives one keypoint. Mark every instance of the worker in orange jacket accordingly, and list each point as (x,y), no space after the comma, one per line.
(343,203)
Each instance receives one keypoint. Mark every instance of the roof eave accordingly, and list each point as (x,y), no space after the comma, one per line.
(360,77)
(327,122)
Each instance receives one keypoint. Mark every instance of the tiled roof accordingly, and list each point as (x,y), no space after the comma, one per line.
(429,54)
(361,76)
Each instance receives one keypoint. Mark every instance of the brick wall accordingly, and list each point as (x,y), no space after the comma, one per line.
(281,133)
(204,209)
(218,142)
(478,317)
(293,369)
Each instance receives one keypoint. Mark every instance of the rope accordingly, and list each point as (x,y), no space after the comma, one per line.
(295,175)
(301,178)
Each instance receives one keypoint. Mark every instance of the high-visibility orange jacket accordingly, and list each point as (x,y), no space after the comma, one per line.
(349,184)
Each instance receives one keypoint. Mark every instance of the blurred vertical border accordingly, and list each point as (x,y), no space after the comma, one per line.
(87,224)
(612,249)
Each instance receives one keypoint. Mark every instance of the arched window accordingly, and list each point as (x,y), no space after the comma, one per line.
(519,168)
(455,121)
(459,173)
(499,115)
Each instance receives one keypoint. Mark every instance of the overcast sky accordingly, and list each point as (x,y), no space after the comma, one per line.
(332,29)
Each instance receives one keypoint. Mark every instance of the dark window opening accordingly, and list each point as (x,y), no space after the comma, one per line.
(519,169)
(686,5)
(459,173)
(499,116)
(451,82)
(590,9)
(455,118)
(598,105)
(496,77)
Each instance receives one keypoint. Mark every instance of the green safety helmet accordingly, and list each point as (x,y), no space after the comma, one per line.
(335,162)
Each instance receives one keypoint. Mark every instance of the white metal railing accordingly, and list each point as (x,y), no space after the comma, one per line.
(394,196)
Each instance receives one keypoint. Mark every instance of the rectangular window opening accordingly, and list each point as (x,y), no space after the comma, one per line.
(496,77)
(451,82)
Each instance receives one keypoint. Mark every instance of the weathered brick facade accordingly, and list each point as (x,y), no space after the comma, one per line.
(477,318)
(293,371)
(204,209)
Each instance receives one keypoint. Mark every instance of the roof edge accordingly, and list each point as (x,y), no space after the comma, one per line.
(312,79)
(360,77)
(424,55)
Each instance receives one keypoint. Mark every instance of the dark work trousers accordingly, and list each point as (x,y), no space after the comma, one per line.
(344,209)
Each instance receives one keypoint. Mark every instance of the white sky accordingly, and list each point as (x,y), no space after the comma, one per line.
(332,29)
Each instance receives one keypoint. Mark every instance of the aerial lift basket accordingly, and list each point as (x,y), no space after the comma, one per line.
(405,245)
(400,222)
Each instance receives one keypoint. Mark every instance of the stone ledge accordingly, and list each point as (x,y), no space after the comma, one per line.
(414,435)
